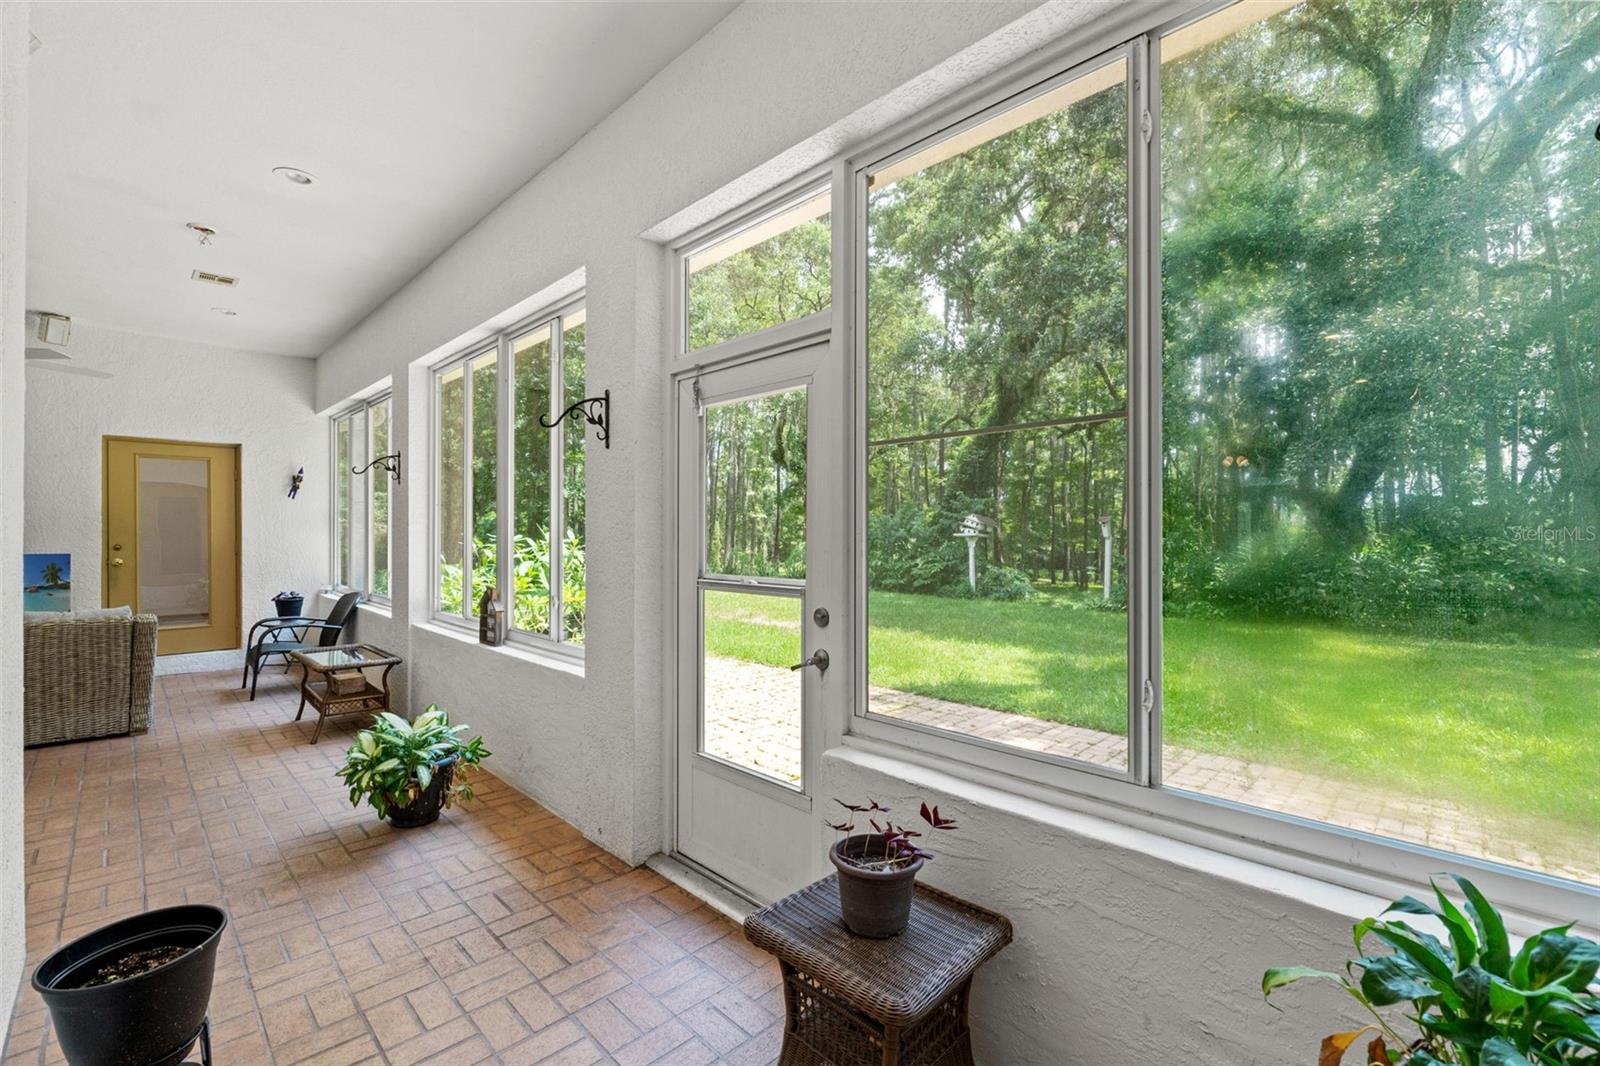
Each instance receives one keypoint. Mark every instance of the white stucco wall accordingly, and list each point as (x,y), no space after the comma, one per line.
(1125,955)
(179,390)
(13,248)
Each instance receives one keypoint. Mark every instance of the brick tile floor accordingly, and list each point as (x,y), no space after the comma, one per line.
(499,934)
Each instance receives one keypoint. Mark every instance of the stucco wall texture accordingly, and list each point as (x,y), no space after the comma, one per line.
(13,256)
(180,390)
(1124,956)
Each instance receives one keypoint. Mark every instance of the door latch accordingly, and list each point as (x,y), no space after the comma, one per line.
(819,659)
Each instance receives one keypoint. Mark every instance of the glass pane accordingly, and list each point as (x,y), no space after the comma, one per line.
(452,454)
(574,589)
(175,539)
(531,498)
(1382,567)
(485,474)
(341,500)
(997,297)
(756,486)
(773,272)
(378,506)
(751,709)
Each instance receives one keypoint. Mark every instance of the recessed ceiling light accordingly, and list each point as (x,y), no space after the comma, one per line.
(230,312)
(295,174)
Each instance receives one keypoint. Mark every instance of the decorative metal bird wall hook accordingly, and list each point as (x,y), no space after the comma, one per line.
(295,481)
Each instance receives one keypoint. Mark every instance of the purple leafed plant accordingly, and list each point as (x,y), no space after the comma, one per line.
(899,843)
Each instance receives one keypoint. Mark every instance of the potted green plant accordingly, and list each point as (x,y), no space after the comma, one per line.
(409,771)
(1472,1000)
(878,870)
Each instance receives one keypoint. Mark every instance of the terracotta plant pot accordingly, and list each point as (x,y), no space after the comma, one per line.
(874,903)
(424,810)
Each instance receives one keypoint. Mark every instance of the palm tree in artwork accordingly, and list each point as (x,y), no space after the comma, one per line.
(52,573)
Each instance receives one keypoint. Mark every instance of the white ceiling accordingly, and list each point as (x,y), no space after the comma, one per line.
(416,118)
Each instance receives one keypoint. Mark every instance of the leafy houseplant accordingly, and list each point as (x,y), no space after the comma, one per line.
(878,870)
(407,771)
(1473,1002)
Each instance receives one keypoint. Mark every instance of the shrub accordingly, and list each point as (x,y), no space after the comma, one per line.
(1004,583)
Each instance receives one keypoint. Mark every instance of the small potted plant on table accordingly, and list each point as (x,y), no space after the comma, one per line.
(409,771)
(1469,999)
(878,870)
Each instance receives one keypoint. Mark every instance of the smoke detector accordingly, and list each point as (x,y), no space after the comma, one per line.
(216,279)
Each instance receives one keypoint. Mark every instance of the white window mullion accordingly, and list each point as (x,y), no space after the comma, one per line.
(505,503)
(1144,427)
(467,558)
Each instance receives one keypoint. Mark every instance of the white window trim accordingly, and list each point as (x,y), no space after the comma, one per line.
(361,453)
(1347,858)
(556,644)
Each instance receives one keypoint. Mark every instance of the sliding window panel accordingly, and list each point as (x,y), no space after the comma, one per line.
(1380,495)
(378,482)
(450,521)
(574,598)
(531,372)
(485,530)
(997,424)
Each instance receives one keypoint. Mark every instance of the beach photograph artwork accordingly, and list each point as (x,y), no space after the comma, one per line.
(47,581)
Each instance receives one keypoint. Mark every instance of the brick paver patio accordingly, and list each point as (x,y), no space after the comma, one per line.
(759,734)
(498,934)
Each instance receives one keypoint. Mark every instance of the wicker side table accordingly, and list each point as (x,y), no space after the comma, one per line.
(858,1002)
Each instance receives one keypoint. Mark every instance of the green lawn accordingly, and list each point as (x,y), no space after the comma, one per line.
(1511,728)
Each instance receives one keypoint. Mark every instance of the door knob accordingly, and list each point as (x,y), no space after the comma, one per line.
(819,659)
(117,561)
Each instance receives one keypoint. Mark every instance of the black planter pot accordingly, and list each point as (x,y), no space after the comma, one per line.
(289,608)
(153,1018)
(874,903)
(424,810)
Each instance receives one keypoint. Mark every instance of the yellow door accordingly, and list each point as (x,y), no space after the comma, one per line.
(172,539)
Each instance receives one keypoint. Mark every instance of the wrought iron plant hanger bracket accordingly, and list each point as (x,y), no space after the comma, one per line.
(595,410)
(390,462)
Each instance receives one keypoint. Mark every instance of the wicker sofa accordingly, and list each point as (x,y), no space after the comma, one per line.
(87,675)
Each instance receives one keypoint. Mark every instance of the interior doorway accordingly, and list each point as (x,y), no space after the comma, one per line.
(171,529)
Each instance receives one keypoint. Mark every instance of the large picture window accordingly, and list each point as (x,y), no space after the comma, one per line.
(1362,459)
(503,479)
(361,522)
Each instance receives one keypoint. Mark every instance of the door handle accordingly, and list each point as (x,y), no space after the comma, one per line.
(819,659)
(116,561)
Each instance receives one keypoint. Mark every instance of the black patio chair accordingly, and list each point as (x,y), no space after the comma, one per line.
(258,649)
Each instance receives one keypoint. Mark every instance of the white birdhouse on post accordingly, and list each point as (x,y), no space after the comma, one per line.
(1105,556)
(974,528)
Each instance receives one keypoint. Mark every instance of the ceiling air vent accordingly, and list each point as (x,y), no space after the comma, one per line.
(216,279)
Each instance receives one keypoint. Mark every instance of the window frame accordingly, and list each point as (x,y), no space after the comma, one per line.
(815,182)
(1352,859)
(360,502)
(501,344)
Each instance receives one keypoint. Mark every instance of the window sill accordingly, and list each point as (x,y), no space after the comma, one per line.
(383,609)
(518,652)
(1332,869)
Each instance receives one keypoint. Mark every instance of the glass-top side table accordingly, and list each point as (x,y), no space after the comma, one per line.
(323,691)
